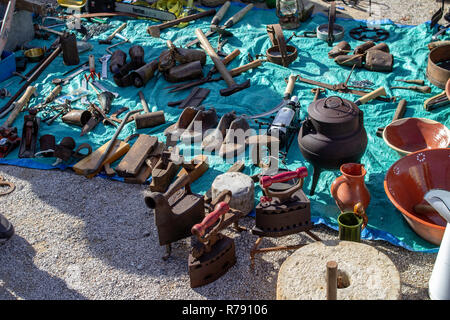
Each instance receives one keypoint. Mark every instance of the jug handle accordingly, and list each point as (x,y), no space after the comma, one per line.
(359,211)
(334,187)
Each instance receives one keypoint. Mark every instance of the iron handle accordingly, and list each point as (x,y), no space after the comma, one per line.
(267,181)
(200,228)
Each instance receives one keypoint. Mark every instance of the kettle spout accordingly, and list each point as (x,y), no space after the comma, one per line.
(440,201)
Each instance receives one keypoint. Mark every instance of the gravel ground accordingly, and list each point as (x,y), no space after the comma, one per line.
(94,239)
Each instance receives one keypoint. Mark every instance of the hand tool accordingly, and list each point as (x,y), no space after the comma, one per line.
(286,98)
(6,25)
(370,96)
(64,81)
(97,116)
(120,36)
(30,80)
(143,11)
(229,23)
(148,119)
(105,98)
(114,116)
(50,98)
(92,73)
(18,106)
(399,112)
(31,124)
(437,15)
(219,15)
(437,101)
(102,87)
(100,161)
(84,86)
(342,87)
(65,108)
(220,45)
(415,81)
(209,75)
(104,60)
(233,87)
(112,35)
(155,30)
(194,99)
(442,31)
(423,89)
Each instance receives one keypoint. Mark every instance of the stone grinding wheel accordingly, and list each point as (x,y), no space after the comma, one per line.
(367,273)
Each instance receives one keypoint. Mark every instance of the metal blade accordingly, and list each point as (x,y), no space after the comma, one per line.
(93,121)
(268,113)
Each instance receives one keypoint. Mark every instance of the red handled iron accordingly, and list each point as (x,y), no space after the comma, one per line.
(267,181)
(213,253)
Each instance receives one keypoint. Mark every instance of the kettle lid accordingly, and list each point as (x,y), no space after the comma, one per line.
(333,109)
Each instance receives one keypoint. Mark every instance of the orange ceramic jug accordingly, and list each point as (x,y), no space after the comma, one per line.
(349,189)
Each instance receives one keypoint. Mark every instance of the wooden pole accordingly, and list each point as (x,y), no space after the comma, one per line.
(331,280)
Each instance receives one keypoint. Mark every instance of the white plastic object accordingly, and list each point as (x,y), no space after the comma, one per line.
(439,284)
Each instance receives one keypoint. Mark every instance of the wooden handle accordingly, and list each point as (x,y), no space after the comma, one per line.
(143,102)
(400,111)
(414,81)
(231,56)
(52,95)
(238,16)
(200,228)
(122,26)
(237,71)
(332,280)
(423,89)
(18,106)
(267,181)
(290,86)
(372,95)
(219,15)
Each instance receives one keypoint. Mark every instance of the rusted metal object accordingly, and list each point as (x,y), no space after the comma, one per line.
(438,68)
(283,210)
(194,99)
(148,119)
(31,124)
(77,117)
(437,101)
(142,75)
(364,47)
(131,164)
(176,211)
(341,48)
(195,168)
(184,72)
(399,113)
(174,131)
(279,53)
(213,253)
(10,140)
(163,173)
(117,61)
(377,60)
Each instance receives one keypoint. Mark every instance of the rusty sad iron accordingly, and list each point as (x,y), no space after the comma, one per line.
(163,172)
(213,253)
(176,212)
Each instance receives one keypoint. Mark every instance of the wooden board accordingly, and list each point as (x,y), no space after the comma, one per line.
(130,165)
(89,163)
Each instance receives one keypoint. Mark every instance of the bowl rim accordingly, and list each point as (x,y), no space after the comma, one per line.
(405,152)
(447,88)
(397,205)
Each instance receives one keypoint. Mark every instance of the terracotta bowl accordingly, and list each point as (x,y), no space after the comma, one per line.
(413,134)
(407,181)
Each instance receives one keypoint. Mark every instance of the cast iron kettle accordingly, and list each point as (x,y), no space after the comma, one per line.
(332,134)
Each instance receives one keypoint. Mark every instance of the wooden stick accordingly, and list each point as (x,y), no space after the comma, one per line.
(331,280)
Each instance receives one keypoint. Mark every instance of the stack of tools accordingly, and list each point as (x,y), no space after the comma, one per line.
(283,210)
(367,55)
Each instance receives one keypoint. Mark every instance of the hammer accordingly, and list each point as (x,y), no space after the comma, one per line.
(233,87)
(155,31)
(148,119)
(112,35)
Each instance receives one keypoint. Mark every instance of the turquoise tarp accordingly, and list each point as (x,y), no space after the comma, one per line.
(408,45)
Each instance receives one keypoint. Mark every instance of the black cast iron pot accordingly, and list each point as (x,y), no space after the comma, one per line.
(332,134)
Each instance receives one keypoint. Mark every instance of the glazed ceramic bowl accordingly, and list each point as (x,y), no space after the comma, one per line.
(407,181)
(413,134)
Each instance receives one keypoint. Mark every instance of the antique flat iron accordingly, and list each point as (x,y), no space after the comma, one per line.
(213,253)
(176,211)
(283,210)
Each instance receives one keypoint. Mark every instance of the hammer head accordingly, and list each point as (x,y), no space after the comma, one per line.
(235,88)
(154,31)
(106,41)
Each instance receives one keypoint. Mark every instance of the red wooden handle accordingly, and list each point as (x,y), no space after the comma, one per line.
(267,181)
(200,228)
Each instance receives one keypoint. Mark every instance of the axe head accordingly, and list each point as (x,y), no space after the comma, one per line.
(235,88)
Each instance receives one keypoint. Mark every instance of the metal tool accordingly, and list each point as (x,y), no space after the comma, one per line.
(399,112)
(30,80)
(441,31)
(283,210)
(18,106)
(422,89)
(103,88)
(104,60)
(31,124)
(65,108)
(92,73)
(437,15)
(211,72)
(233,87)
(229,23)
(111,143)
(342,87)
(194,99)
(414,81)
(174,219)
(64,81)
(213,253)
(155,30)
(290,83)
(143,11)
(148,119)
(112,35)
